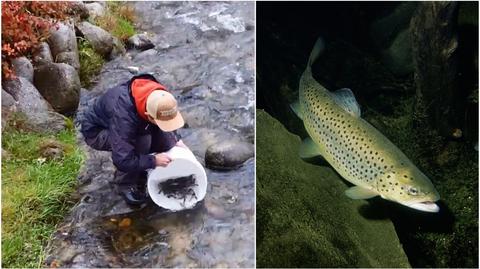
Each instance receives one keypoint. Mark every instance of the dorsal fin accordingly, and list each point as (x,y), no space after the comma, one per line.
(346,99)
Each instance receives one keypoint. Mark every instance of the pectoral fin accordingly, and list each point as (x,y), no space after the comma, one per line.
(295,106)
(358,192)
(309,149)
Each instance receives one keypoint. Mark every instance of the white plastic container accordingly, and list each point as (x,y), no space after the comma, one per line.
(183,164)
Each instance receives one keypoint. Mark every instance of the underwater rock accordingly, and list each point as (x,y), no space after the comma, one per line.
(391,34)
(398,57)
(303,211)
(228,155)
(385,30)
(468,13)
(449,155)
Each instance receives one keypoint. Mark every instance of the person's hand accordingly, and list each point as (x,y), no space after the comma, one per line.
(162,159)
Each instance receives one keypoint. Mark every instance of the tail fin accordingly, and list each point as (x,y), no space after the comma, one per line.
(316,51)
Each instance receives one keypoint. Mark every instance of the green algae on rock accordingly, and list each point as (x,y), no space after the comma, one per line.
(303,217)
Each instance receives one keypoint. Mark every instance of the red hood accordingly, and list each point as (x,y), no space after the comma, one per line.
(141,89)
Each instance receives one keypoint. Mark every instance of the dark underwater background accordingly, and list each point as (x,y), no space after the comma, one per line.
(425,105)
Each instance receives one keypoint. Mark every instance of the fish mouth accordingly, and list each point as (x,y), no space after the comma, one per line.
(426,206)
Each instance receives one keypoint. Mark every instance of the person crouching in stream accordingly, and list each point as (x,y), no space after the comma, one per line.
(133,120)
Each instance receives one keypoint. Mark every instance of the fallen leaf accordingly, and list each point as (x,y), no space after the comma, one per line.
(126,222)
(54,264)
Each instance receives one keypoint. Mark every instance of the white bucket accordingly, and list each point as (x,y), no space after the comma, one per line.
(183,164)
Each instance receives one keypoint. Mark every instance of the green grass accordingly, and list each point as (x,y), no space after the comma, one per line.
(90,62)
(124,29)
(36,194)
(118,20)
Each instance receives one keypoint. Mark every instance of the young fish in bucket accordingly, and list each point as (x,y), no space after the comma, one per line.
(179,188)
(355,149)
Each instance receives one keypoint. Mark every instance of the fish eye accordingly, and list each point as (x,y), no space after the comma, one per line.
(412,191)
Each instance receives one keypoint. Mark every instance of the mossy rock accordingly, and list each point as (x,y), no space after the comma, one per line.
(303,217)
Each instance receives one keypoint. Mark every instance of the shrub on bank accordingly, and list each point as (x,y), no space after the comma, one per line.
(90,62)
(25,25)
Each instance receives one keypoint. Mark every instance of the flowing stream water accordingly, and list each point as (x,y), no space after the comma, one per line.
(204,53)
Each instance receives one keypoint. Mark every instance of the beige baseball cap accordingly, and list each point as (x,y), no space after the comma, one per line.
(162,107)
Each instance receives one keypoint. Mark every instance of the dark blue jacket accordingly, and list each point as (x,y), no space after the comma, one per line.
(116,112)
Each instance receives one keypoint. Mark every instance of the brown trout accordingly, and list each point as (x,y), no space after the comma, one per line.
(355,149)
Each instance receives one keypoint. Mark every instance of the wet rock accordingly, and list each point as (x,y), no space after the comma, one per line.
(118,49)
(140,41)
(227,155)
(59,84)
(23,68)
(101,40)
(145,55)
(37,111)
(133,69)
(62,39)
(95,10)
(302,209)
(43,54)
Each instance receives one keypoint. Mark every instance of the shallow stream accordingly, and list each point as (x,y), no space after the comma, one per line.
(204,53)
